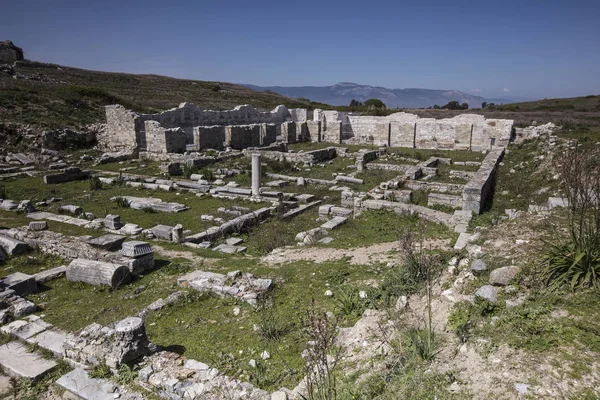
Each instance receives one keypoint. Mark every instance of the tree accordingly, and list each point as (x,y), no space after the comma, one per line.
(453,105)
(355,103)
(436,107)
(484,104)
(464,106)
(375,103)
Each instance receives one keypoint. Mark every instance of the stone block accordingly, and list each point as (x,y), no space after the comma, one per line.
(12,246)
(22,284)
(50,340)
(17,361)
(136,248)
(50,274)
(107,242)
(98,273)
(38,226)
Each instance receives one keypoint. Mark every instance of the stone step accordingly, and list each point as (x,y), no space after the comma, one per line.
(78,383)
(334,223)
(18,362)
(50,340)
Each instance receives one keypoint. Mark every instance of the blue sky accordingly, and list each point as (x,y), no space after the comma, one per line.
(527,48)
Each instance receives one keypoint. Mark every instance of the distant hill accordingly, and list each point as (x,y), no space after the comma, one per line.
(54,96)
(589,103)
(342,93)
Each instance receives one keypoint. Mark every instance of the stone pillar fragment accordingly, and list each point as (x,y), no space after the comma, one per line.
(256,174)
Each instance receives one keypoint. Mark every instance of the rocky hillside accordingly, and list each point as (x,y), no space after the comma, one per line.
(54,96)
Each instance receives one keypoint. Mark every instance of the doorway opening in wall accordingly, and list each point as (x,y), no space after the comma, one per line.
(142,142)
(492,141)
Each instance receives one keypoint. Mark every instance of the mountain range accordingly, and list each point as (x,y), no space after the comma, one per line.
(342,93)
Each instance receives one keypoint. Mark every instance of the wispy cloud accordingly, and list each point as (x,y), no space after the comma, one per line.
(476,90)
(505,90)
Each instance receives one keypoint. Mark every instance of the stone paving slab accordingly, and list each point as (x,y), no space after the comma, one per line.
(31,329)
(50,340)
(81,385)
(18,362)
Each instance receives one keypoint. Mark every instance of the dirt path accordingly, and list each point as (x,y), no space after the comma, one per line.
(380,252)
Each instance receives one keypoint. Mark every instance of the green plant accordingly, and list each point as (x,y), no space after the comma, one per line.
(149,210)
(100,371)
(348,301)
(460,320)
(279,166)
(207,173)
(95,183)
(321,383)
(270,327)
(577,261)
(422,343)
(2,192)
(122,202)
(188,171)
(126,374)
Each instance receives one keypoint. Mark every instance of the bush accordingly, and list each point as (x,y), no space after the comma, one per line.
(207,174)
(100,371)
(281,166)
(270,326)
(460,320)
(122,202)
(95,183)
(422,343)
(348,301)
(576,262)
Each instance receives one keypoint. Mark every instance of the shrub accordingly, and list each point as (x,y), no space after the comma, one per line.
(422,343)
(270,326)
(188,171)
(208,174)
(122,202)
(348,301)
(95,183)
(460,320)
(281,166)
(126,374)
(101,371)
(576,262)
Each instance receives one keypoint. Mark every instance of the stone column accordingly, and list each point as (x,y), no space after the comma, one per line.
(256,174)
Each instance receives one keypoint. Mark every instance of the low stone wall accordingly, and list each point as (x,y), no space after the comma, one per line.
(402,208)
(477,190)
(444,200)
(308,157)
(235,225)
(435,186)
(209,137)
(70,174)
(389,167)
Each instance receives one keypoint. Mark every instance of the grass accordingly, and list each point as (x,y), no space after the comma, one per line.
(373,227)
(74,305)
(31,263)
(98,202)
(73,97)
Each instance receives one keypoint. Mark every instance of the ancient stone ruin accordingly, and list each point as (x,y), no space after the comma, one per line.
(189,128)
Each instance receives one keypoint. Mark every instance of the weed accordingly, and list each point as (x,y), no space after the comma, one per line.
(126,374)
(100,371)
(270,326)
(149,210)
(348,301)
(95,183)
(121,202)
(2,192)
(422,343)
(461,320)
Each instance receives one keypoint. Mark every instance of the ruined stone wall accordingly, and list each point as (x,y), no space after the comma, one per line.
(402,134)
(463,132)
(120,133)
(367,130)
(298,114)
(268,134)
(209,137)
(240,137)
(188,114)
(161,140)
(477,190)
(288,132)
(313,131)
(9,53)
